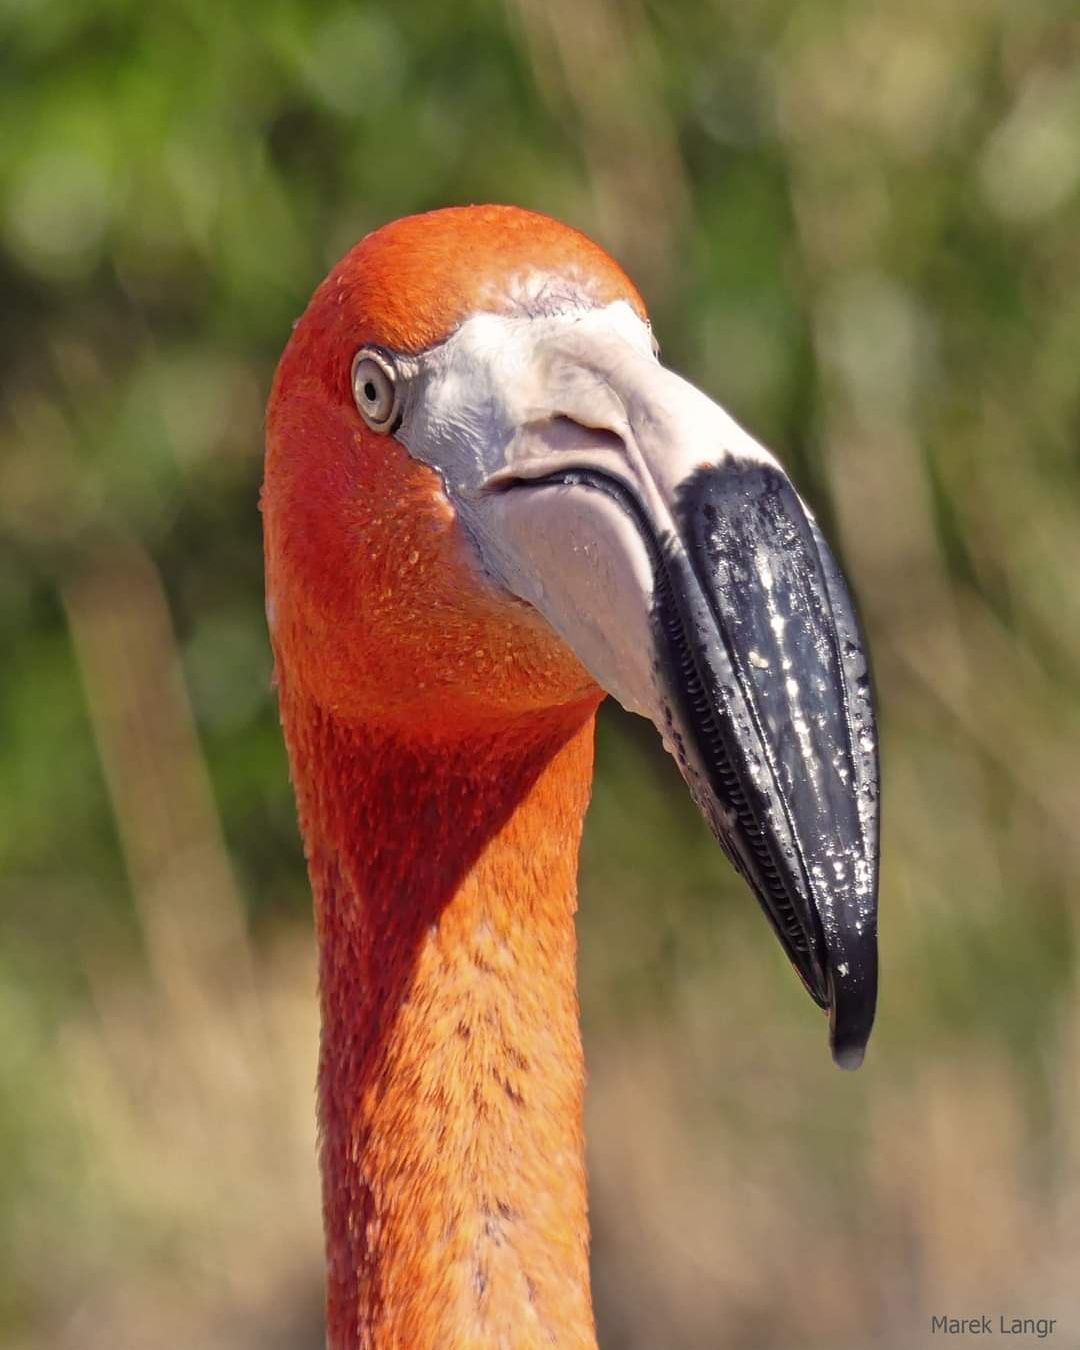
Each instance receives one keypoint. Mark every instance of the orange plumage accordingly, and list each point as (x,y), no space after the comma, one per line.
(440,741)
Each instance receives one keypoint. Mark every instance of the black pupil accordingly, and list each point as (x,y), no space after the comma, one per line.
(370,392)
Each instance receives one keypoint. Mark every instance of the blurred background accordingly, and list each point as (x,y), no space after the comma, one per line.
(858,226)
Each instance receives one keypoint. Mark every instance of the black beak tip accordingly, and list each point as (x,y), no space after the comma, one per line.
(852,1003)
(847,1054)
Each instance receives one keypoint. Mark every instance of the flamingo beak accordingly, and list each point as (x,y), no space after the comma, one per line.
(675,557)
(767,691)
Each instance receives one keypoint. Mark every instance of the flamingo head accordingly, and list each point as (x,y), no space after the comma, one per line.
(486,497)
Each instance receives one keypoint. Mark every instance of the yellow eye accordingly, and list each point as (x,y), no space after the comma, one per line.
(375,390)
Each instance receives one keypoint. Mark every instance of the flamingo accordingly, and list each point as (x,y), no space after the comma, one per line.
(486,505)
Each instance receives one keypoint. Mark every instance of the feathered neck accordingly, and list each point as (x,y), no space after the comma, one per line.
(451,1074)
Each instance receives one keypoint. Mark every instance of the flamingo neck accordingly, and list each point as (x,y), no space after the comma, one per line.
(451,1073)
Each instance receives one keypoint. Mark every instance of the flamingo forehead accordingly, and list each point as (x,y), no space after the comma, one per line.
(410,284)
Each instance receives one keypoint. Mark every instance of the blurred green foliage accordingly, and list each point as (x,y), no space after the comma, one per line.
(858,225)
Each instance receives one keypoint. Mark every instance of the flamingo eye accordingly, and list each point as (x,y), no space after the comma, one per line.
(375,390)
